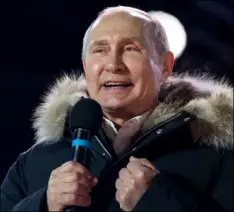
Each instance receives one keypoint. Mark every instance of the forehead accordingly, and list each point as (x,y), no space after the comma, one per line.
(118,25)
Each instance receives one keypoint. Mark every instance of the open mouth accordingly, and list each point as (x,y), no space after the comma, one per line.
(117,84)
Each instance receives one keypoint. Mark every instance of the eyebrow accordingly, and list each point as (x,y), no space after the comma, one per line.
(101,42)
(104,42)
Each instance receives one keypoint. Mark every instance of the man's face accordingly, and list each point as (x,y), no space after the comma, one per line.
(118,65)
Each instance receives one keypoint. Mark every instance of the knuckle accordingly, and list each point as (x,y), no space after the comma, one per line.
(117,182)
(133,183)
(130,165)
(128,189)
(140,175)
(71,164)
(53,173)
(117,196)
(122,171)
(122,197)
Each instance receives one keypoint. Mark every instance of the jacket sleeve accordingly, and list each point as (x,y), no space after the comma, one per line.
(14,191)
(165,194)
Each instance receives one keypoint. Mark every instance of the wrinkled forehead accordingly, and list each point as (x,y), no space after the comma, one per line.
(119,24)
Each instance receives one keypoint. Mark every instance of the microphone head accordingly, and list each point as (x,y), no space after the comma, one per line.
(86,114)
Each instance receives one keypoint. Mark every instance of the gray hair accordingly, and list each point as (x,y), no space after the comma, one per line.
(160,39)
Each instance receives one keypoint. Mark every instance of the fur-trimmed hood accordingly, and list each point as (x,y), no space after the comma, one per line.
(211,101)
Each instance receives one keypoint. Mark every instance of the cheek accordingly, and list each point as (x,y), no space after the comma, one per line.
(94,67)
(92,74)
(135,65)
(145,78)
(151,79)
(139,69)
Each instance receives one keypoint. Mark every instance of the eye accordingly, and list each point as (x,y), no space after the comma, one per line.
(98,50)
(131,48)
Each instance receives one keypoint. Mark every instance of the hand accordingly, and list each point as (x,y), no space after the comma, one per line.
(69,184)
(133,182)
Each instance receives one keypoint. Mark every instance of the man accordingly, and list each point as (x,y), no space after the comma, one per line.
(127,66)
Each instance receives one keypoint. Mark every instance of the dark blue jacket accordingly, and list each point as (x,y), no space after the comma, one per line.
(194,154)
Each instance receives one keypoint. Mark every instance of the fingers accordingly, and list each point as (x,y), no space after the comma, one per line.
(74,199)
(133,182)
(125,200)
(135,167)
(144,162)
(70,184)
(74,172)
(75,167)
(118,184)
(70,177)
(141,168)
(72,188)
(125,174)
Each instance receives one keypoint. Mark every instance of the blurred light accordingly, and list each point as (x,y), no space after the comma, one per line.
(175,31)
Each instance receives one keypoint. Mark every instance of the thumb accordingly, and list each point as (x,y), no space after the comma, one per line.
(148,164)
(132,158)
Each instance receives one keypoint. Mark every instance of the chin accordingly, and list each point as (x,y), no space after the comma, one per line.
(115,104)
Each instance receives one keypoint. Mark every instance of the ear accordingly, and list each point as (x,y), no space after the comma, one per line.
(168,64)
(84,65)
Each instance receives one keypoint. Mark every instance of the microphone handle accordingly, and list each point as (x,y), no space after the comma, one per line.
(80,154)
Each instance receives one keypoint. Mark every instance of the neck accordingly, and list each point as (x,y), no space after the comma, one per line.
(120,116)
(117,118)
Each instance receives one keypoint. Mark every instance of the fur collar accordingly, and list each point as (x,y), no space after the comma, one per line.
(210,100)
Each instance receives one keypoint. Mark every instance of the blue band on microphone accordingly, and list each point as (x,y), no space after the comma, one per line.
(81,142)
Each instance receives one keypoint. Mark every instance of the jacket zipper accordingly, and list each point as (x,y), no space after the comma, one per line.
(128,153)
(104,148)
(159,129)
(131,148)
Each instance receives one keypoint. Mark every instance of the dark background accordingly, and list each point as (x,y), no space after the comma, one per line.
(40,39)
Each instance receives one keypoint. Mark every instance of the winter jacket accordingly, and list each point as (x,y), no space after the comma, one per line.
(192,150)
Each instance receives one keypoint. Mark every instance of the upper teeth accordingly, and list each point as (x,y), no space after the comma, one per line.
(116,83)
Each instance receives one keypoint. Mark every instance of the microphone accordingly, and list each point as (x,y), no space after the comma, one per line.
(85,120)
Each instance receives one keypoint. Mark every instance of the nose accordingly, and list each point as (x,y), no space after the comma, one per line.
(115,63)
